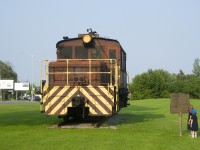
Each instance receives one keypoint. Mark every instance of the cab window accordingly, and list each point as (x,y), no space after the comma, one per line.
(112,54)
(81,52)
(65,53)
(97,52)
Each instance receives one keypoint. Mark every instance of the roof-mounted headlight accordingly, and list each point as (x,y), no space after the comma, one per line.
(87,39)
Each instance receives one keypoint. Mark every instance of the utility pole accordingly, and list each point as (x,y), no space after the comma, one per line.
(32,74)
(32,88)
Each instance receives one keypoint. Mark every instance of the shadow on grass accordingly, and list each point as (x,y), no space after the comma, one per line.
(28,118)
(33,117)
(139,114)
(135,118)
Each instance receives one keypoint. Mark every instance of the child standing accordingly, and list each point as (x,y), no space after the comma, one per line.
(194,123)
(190,107)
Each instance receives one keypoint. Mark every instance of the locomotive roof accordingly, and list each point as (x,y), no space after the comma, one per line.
(80,38)
(72,39)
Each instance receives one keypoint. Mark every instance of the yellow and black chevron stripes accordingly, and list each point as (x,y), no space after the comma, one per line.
(57,100)
(96,101)
(99,99)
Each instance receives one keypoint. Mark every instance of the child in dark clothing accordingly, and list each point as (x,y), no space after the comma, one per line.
(190,107)
(194,123)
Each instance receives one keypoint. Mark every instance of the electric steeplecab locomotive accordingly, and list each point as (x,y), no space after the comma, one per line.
(88,78)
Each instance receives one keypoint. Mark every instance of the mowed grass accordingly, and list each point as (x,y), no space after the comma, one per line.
(144,125)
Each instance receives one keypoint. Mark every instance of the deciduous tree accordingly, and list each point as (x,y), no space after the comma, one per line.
(6,71)
(151,84)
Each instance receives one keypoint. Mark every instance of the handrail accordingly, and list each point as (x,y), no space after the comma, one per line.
(110,63)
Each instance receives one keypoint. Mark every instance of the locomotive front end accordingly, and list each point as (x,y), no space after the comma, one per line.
(84,80)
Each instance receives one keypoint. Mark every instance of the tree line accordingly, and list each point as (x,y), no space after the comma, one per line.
(151,84)
(160,83)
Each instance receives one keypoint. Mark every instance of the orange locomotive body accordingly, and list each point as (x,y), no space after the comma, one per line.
(88,78)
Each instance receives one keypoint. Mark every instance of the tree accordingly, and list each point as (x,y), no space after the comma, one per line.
(196,67)
(151,84)
(189,85)
(138,87)
(6,71)
(180,75)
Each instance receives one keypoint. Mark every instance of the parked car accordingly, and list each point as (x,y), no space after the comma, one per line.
(37,97)
(27,98)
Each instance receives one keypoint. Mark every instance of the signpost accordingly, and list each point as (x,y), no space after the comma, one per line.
(24,86)
(10,85)
(5,85)
(179,103)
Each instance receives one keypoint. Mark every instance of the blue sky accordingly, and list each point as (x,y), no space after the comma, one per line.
(156,34)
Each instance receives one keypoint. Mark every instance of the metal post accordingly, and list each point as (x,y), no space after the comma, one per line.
(16,95)
(180,123)
(32,79)
(0,95)
(32,88)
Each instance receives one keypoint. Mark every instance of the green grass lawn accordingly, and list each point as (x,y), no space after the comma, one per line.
(145,125)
